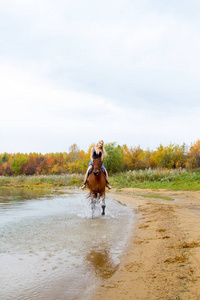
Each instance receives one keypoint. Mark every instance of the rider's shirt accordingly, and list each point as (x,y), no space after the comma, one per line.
(96,155)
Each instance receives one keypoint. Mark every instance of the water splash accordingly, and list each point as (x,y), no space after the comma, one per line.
(49,241)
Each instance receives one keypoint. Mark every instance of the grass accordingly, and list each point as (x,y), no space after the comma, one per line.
(180,179)
(42,181)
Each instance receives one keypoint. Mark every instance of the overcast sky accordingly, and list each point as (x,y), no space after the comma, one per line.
(74,71)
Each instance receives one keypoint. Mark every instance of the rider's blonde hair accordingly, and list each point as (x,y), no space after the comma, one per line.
(103,148)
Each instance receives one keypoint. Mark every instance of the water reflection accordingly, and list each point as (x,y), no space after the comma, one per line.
(8,195)
(102,263)
(50,240)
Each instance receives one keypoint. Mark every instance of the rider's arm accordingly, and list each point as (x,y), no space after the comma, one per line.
(102,155)
(91,154)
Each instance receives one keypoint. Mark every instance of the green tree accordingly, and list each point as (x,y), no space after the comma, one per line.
(4,158)
(113,161)
(18,164)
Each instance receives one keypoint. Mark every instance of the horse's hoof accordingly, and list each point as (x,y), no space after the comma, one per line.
(103,210)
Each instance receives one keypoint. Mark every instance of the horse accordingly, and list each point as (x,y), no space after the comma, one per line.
(97,183)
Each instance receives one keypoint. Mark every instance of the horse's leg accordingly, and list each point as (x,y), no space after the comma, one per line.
(103,205)
(93,198)
(92,203)
(99,196)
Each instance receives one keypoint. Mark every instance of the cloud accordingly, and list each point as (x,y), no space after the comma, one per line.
(38,116)
(79,71)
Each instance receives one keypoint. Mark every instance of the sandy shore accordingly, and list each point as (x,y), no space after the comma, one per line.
(162,257)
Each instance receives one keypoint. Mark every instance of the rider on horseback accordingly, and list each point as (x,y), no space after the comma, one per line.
(96,152)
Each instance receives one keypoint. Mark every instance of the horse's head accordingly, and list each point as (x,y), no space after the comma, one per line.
(97,163)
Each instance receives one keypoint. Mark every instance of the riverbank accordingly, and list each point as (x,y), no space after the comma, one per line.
(170,179)
(162,258)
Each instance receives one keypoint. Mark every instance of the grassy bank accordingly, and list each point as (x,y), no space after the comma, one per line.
(152,179)
(42,181)
(158,179)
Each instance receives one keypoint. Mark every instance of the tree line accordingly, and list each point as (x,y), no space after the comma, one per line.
(117,159)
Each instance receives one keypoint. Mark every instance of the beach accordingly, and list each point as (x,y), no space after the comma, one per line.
(162,257)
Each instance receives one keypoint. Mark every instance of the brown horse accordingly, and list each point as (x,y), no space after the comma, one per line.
(97,183)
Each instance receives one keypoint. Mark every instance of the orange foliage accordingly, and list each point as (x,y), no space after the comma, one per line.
(193,160)
(76,160)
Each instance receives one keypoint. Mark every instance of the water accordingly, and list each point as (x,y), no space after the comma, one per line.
(51,248)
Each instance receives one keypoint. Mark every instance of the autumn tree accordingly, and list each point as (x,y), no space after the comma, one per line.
(31,166)
(74,153)
(135,158)
(172,156)
(193,160)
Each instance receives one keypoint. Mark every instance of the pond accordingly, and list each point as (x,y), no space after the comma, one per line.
(51,247)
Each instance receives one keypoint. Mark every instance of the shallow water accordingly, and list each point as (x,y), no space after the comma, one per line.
(51,248)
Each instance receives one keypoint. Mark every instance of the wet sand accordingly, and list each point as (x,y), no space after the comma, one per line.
(162,257)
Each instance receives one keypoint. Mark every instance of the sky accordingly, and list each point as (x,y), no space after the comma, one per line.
(74,71)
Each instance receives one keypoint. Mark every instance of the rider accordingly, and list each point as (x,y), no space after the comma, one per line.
(96,152)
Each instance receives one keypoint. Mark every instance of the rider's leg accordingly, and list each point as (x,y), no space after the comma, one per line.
(107,184)
(86,176)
